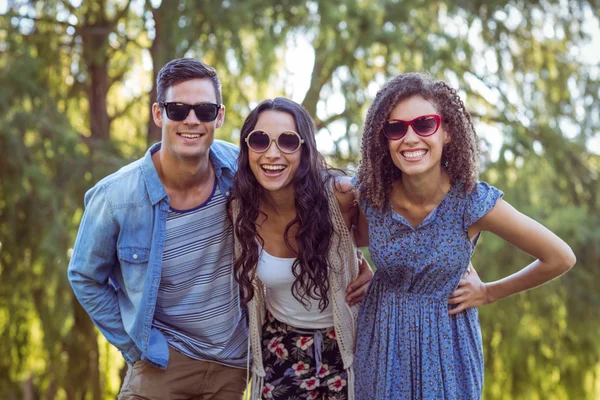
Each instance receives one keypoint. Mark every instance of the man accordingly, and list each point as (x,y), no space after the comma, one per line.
(152,262)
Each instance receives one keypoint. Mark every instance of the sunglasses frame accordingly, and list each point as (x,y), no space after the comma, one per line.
(191,107)
(410,123)
(271,140)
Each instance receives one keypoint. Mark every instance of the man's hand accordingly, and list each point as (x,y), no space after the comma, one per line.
(471,292)
(357,290)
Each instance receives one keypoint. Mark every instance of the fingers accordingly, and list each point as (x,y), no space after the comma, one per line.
(364,277)
(463,282)
(357,290)
(358,295)
(358,283)
(458,292)
(457,309)
(457,300)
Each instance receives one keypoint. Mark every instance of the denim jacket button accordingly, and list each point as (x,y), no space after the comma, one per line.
(135,256)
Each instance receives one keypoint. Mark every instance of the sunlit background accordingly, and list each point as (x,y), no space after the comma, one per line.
(76,85)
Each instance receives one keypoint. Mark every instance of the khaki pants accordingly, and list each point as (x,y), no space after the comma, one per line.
(184,378)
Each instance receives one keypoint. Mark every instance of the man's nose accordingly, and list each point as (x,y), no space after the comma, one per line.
(191,118)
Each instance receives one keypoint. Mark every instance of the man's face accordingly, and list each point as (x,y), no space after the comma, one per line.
(189,139)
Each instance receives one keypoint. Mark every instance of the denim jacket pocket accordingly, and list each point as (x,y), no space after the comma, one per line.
(134,265)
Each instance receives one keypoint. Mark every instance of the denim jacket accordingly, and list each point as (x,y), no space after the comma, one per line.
(116,263)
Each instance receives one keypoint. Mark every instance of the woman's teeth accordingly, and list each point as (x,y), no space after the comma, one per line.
(273,167)
(414,154)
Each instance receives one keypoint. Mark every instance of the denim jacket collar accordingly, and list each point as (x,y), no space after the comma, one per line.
(156,190)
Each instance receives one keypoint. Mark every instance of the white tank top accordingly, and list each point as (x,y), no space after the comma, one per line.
(276,273)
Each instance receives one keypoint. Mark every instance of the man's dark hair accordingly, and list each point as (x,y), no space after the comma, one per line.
(185,69)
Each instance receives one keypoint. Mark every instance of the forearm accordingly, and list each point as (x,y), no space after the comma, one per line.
(535,274)
(100,301)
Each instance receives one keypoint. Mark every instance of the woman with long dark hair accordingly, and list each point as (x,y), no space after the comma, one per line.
(425,211)
(295,256)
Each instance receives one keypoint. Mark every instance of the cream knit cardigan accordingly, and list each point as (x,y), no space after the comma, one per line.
(343,269)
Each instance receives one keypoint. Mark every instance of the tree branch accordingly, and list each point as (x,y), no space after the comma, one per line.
(9,16)
(324,123)
(69,7)
(124,110)
(121,14)
(118,77)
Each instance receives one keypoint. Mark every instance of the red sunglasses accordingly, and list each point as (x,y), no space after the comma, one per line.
(425,125)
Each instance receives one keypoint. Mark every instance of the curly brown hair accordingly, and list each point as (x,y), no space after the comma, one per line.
(460,157)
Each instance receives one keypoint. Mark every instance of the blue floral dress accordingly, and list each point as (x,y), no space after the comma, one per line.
(408,347)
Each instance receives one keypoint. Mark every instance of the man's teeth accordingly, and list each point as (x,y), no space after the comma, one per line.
(190,135)
(414,154)
(274,167)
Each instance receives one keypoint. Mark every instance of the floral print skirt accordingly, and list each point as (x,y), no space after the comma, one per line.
(302,363)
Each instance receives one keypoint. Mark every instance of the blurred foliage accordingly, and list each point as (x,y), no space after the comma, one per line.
(76,82)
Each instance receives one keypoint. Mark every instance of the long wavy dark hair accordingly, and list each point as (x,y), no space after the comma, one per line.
(460,157)
(314,227)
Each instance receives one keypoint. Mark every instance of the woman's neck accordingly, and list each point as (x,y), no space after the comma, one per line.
(280,203)
(424,189)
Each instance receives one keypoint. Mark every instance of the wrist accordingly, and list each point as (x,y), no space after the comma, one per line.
(489,295)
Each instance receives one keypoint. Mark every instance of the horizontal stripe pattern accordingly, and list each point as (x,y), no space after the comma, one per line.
(198,304)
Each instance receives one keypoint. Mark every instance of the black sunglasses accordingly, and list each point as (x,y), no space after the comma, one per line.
(205,112)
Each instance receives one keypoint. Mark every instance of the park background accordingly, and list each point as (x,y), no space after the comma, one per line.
(76,86)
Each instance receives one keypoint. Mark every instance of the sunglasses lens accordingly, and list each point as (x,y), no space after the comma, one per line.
(206,112)
(177,111)
(259,141)
(288,142)
(425,126)
(395,130)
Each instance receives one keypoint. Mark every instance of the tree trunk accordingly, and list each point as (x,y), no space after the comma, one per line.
(95,57)
(163,50)
(98,92)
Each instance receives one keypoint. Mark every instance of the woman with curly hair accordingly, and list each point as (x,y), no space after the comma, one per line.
(425,211)
(295,257)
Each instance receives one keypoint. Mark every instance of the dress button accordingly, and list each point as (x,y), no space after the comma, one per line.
(135,256)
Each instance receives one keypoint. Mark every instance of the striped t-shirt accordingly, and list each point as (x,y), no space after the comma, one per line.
(198,305)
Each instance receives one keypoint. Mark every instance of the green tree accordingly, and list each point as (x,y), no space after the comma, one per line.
(67,120)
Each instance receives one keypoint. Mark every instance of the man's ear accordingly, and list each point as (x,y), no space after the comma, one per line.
(220,117)
(157,115)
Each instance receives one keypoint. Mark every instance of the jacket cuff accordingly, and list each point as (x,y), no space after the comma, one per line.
(132,355)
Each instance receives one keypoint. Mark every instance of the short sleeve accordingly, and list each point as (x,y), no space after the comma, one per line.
(480,201)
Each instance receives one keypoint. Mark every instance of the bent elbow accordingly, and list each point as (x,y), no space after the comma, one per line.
(570,260)
(566,261)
